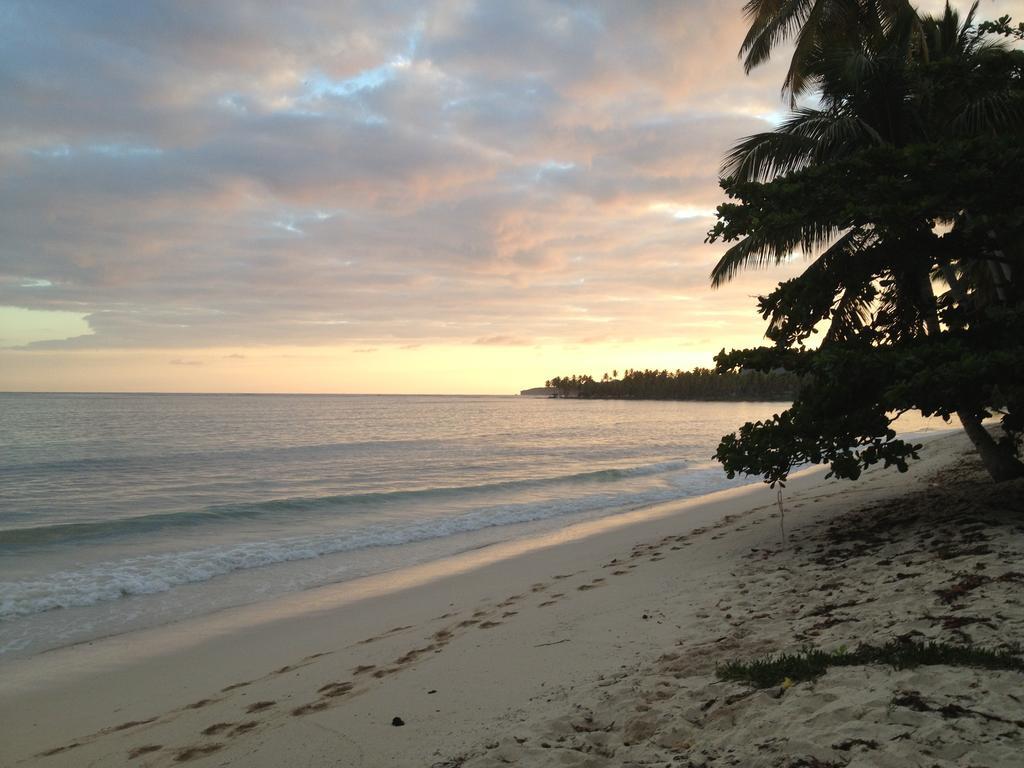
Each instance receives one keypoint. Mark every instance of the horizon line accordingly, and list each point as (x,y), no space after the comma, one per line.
(269,394)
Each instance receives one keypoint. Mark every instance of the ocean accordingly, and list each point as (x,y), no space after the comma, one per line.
(122,511)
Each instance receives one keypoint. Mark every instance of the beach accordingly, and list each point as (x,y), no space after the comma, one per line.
(593,645)
(468,385)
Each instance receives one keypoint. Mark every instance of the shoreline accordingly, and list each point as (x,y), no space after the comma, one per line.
(144,532)
(179,635)
(372,569)
(273,583)
(460,649)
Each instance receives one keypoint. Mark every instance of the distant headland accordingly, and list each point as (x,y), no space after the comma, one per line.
(538,392)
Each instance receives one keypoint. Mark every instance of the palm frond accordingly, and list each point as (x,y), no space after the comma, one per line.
(845,134)
(807,135)
(837,287)
(767,248)
(772,22)
(964,37)
(852,312)
(798,77)
(991,113)
(763,156)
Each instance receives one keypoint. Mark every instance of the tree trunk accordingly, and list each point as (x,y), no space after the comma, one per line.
(998,280)
(1000,465)
(955,286)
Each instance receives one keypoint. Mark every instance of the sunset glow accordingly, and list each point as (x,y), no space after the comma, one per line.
(442,197)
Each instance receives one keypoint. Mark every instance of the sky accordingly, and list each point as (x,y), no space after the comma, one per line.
(345,196)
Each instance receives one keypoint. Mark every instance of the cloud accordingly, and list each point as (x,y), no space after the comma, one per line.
(369,174)
(503,341)
(179,361)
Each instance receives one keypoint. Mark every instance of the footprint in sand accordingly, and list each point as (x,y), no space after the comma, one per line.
(210,730)
(539,587)
(547,603)
(259,706)
(333,690)
(129,724)
(363,668)
(191,753)
(391,631)
(489,624)
(58,750)
(241,728)
(313,706)
(145,749)
(410,656)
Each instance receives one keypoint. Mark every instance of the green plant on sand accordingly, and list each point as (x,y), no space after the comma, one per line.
(809,662)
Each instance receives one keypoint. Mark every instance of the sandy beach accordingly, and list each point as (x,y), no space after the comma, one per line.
(595,646)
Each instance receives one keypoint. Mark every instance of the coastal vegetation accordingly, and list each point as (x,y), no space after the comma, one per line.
(901,185)
(809,663)
(698,384)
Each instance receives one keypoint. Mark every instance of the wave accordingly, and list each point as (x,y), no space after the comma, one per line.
(274,453)
(60,533)
(150,574)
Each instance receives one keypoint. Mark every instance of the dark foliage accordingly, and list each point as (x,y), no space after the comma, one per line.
(904,181)
(698,384)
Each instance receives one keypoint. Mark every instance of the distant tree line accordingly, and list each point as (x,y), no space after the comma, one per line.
(698,384)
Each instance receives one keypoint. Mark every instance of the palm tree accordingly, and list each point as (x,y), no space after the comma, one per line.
(874,96)
(815,26)
(890,84)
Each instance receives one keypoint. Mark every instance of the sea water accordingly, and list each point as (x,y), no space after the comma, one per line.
(122,511)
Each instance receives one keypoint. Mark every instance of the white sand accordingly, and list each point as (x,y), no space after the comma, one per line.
(594,647)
